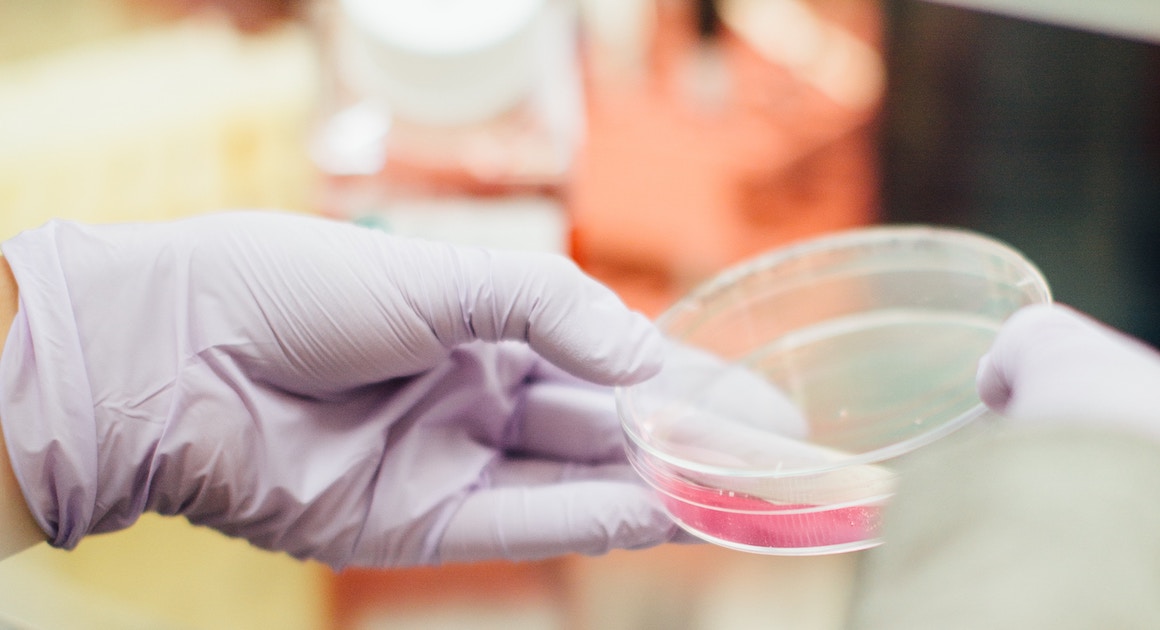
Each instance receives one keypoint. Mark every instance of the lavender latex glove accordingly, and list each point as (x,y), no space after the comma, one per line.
(322,389)
(1051,365)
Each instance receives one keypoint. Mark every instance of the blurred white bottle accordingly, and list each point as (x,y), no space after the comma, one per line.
(450,119)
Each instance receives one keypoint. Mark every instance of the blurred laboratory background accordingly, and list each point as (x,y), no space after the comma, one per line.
(654,141)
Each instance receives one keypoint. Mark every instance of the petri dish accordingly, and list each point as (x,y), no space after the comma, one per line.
(799,379)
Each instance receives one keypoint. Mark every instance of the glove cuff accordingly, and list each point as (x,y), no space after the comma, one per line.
(45,398)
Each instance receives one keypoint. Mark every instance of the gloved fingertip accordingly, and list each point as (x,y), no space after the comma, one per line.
(649,354)
(658,530)
(682,537)
(622,348)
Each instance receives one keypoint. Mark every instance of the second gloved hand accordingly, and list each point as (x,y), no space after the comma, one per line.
(1053,366)
(322,389)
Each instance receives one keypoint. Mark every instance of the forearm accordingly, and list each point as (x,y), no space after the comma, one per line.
(18,529)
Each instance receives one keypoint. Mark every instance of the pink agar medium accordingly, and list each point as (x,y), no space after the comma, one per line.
(749,520)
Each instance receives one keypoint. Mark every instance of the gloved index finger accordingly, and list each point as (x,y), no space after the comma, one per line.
(565,315)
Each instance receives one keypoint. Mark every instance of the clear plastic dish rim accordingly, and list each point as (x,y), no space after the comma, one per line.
(858,237)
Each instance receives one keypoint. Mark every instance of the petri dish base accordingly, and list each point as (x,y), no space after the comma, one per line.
(801,378)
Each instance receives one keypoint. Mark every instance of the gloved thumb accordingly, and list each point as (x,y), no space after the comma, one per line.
(1051,364)
(992,384)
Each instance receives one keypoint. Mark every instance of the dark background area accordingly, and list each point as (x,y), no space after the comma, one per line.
(1042,136)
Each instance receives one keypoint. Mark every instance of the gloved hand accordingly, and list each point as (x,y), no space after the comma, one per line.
(322,389)
(1051,365)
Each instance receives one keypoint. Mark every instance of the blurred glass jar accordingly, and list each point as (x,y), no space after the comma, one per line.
(450,119)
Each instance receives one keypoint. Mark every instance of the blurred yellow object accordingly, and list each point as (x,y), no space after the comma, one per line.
(162,124)
(157,124)
(35,28)
(161,574)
